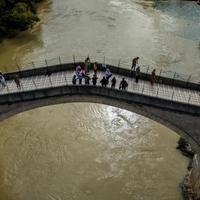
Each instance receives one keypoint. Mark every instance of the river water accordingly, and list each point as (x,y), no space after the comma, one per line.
(90,151)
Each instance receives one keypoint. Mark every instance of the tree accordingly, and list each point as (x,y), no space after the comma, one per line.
(17,15)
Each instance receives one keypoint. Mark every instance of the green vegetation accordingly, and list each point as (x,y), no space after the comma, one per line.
(17,15)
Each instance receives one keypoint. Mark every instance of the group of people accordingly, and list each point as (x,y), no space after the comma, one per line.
(137,71)
(83,73)
(3,81)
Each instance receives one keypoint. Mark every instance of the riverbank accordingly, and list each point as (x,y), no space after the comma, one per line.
(191,182)
(17,17)
(42,8)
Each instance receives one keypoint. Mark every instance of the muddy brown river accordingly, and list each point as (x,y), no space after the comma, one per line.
(90,151)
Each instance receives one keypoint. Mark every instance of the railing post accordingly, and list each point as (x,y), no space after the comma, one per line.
(46,62)
(8,92)
(104,60)
(74,59)
(173,95)
(143,89)
(189,98)
(160,72)
(50,81)
(147,71)
(119,62)
(33,64)
(59,60)
(66,78)
(5,69)
(34,83)
(18,67)
(21,83)
(174,76)
(7,88)
(188,79)
(157,92)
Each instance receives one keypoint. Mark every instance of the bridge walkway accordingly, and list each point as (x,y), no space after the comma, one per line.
(62,78)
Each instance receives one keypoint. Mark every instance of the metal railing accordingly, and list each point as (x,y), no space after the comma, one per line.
(190,78)
(64,78)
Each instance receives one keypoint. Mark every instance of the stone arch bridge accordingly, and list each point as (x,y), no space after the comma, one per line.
(173,103)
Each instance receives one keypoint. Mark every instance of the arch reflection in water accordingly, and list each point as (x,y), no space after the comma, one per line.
(88,151)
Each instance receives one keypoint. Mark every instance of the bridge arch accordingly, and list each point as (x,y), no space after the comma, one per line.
(185,125)
(180,114)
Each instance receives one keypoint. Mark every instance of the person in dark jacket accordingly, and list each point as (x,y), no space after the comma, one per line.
(94,79)
(104,82)
(74,80)
(137,74)
(113,82)
(153,77)
(87,79)
(17,81)
(134,63)
(123,84)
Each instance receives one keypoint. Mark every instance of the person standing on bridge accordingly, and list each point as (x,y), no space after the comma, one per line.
(17,81)
(108,73)
(87,79)
(74,80)
(153,77)
(87,64)
(94,79)
(134,63)
(95,68)
(104,82)
(78,69)
(123,84)
(113,82)
(80,77)
(137,74)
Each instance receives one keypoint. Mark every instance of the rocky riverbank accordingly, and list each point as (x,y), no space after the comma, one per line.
(189,187)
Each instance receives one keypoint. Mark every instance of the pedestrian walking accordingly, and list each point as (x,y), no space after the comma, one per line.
(2,80)
(17,81)
(153,77)
(134,63)
(113,82)
(104,82)
(74,80)
(94,79)
(137,74)
(123,84)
